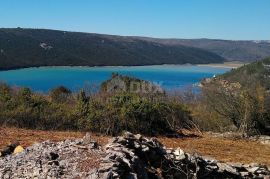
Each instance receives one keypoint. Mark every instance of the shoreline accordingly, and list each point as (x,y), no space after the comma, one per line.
(231,65)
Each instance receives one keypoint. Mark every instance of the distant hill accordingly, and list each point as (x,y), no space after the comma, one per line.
(38,47)
(249,75)
(244,51)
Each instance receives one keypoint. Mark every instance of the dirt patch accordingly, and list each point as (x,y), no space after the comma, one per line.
(29,137)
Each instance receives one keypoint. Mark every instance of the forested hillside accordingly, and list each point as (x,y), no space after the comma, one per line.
(36,47)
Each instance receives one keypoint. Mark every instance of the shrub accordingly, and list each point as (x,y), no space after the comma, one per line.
(60,94)
(107,113)
(244,107)
(5,92)
(139,114)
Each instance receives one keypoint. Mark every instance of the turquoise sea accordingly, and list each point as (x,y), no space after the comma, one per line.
(170,77)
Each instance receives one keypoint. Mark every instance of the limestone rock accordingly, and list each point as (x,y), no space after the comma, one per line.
(133,156)
(179,154)
(51,160)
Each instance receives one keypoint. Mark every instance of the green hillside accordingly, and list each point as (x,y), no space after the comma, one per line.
(38,47)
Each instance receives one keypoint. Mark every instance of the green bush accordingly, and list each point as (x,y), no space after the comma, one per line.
(107,113)
(136,113)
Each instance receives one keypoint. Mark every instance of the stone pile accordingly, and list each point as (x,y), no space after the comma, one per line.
(133,156)
(129,156)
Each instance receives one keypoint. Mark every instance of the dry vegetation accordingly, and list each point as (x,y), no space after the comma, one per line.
(29,137)
(226,150)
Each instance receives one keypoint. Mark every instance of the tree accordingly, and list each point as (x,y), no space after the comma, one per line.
(25,95)
(82,103)
(5,92)
(82,109)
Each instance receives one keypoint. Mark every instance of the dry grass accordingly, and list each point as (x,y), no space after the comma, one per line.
(242,151)
(29,137)
(226,150)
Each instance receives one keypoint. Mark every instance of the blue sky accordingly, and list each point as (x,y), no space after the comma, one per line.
(219,19)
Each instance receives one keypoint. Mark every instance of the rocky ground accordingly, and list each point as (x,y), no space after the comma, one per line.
(127,156)
(66,159)
(222,148)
